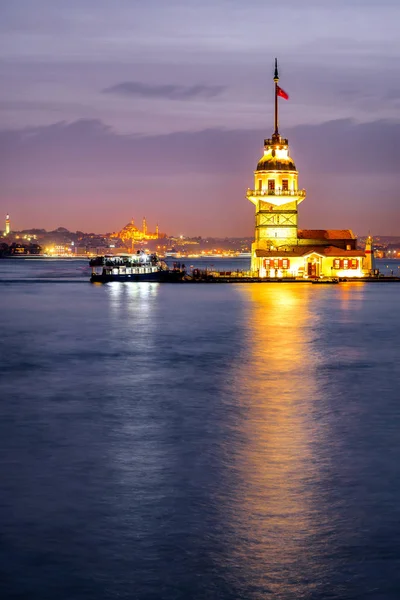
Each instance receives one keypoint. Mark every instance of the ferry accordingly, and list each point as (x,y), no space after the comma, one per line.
(133,267)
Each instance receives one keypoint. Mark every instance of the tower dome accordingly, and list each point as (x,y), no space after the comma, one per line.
(273,162)
(276,155)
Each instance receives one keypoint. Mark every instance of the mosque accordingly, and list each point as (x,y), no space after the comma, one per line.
(281,249)
(130,233)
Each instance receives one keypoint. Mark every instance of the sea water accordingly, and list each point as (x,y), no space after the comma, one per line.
(164,441)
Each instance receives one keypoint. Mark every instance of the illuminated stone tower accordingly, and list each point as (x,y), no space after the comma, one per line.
(7,229)
(369,263)
(275,195)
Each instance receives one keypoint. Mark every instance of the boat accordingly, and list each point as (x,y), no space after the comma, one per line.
(172,253)
(325,281)
(134,267)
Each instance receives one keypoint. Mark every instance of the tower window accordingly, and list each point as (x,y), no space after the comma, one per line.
(285,185)
(259,185)
(271,185)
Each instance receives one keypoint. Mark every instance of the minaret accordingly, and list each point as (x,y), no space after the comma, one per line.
(275,195)
(157,231)
(144,226)
(7,229)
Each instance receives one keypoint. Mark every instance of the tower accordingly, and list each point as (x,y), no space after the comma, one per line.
(144,226)
(7,229)
(157,231)
(369,265)
(275,195)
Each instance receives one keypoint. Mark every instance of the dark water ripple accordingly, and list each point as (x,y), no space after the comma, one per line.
(177,442)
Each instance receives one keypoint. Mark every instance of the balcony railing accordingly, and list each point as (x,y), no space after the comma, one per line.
(276,192)
(278,141)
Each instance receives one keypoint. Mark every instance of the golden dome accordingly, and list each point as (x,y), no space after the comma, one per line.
(272,163)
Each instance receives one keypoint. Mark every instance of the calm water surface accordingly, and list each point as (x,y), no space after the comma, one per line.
(206,442)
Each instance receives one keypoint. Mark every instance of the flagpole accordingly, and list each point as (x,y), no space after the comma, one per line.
(276,79)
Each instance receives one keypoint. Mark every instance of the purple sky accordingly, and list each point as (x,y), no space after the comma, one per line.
(113,109)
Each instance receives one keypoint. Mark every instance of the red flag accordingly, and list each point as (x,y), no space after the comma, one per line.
(280,92)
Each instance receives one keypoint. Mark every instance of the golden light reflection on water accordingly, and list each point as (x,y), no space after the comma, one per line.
(276,465)
(349,294)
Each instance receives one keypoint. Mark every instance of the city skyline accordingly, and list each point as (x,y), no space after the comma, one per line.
(111,113)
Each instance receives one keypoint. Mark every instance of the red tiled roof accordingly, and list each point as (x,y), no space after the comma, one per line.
(291,251)
(333,251)
(326,234)
(305,250)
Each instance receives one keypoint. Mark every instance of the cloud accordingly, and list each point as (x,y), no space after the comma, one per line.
(334,147)
(87,174)
(169,91)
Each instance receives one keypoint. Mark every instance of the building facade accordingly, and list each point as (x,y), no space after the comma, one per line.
(280,248)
